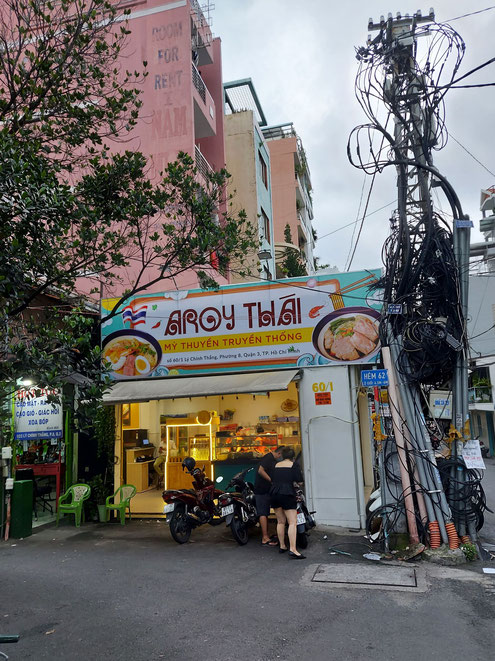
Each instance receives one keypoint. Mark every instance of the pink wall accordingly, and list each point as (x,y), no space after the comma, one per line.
(283,187)
(213,147)
(166,123)
(163,40)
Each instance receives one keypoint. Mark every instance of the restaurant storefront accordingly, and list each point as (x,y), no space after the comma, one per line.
(226,376)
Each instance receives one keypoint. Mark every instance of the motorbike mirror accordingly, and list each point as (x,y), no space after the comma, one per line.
(219,479)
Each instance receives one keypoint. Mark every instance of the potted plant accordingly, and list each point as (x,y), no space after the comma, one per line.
(99,493)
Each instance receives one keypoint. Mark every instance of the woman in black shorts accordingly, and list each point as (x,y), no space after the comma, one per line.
(283,500)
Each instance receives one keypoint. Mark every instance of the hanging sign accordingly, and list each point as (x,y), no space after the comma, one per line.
(471,453)
(297,322)
(35,417)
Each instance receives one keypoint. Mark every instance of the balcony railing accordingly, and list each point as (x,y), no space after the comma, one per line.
(480,394)
(202,165)
(198,83)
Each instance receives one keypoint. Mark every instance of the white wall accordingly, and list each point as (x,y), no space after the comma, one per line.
(481,317)
(333,466)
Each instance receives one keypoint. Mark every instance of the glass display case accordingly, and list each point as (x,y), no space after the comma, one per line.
(234,448)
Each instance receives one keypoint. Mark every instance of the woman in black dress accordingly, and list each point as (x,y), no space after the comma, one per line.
(284,502)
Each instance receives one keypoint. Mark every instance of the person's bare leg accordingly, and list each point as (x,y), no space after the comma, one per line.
(264,529)
(281,520)
(292,519)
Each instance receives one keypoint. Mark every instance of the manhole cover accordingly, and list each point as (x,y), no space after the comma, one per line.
(366,575)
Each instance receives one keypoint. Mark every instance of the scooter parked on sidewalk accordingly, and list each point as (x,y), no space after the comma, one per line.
(305,520)
(239,506)
(187,509)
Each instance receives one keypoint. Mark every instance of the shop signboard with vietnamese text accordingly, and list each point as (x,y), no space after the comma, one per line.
(35,417)
(298,322)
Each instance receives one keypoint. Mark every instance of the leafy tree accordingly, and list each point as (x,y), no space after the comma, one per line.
(69,206)
(292,265)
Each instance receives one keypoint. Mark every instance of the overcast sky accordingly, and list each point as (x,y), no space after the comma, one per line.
(301,58)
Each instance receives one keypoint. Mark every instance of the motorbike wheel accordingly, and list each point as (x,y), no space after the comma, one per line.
(302,540)
(180,529)
(239,528)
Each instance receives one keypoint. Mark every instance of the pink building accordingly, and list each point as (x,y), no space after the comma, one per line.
(182,94)
(291,192)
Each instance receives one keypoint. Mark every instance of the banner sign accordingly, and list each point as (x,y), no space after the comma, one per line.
(34,417)
(298,322)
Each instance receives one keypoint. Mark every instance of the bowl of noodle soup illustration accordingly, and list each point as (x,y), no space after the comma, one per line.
(131,353)
(348,335)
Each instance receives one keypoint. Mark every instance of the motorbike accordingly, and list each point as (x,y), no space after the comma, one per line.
(239,506)
(187,509)
(305,520)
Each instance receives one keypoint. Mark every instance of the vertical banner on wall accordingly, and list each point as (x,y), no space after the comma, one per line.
(297,322)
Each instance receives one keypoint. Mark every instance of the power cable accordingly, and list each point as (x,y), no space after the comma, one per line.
(361,226)
(355,222)
(472,155)
(473,13)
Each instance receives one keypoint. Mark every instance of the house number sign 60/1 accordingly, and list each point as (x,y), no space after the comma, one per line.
(323,386)
(322,391)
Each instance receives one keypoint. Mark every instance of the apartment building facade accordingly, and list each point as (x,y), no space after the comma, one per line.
(182,98)
(248,162)
(277,182)
(291,192)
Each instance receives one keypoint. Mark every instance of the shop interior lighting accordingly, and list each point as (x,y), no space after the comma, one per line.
(190,424)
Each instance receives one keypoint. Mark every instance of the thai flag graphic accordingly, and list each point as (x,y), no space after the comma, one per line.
(134,317)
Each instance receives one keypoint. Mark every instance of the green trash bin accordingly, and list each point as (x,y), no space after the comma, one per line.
(21,515)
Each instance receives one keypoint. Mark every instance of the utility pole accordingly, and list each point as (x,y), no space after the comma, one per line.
(423,328)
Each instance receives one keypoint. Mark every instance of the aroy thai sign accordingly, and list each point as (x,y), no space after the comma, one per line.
(297,322)
(35,417)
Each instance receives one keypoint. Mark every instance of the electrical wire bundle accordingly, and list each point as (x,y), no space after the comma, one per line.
(466,496)
(420,267)
(423,330)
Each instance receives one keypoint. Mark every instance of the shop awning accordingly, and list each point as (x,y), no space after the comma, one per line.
(198,386)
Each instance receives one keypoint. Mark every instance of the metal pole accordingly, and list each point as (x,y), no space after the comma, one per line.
(399,442)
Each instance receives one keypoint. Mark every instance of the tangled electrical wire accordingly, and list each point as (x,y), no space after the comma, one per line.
(421,273)
(380,78)
(466,496)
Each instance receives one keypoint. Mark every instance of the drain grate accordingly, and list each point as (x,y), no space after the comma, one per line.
(377,575)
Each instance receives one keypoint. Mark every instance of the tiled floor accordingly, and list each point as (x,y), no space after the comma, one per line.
(148,502)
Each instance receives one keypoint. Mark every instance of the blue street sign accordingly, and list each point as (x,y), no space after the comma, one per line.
(394,308)
(464,223)
(372,378)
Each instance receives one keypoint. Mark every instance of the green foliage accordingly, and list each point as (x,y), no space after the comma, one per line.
(65,87)
(480,381)
(318,266)
(100,490)
(104,426)
(470,551)
(292,265)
